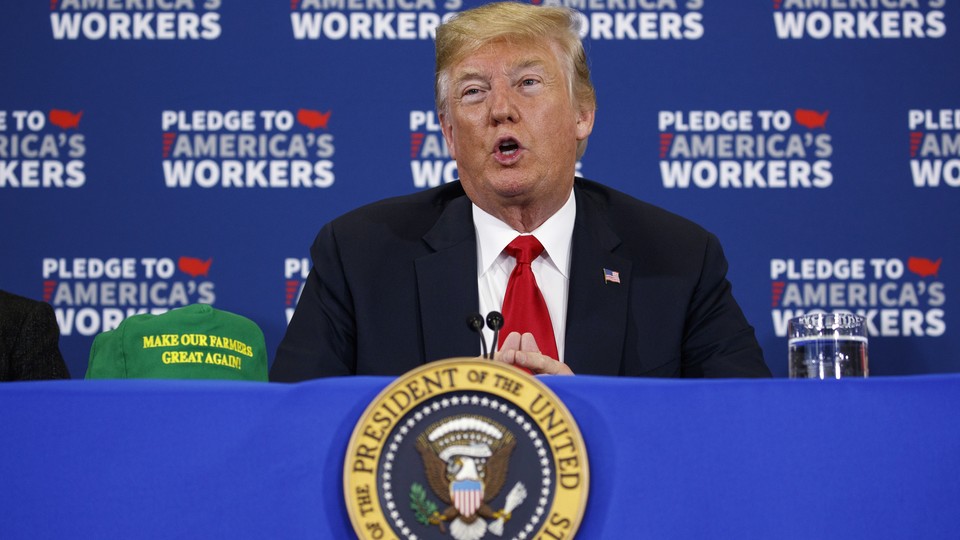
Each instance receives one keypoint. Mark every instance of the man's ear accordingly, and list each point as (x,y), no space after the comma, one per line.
(584,123)
(447,129)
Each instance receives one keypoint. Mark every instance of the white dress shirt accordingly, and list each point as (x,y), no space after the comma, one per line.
(551,268)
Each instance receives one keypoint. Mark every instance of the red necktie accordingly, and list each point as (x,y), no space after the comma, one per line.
(524,309)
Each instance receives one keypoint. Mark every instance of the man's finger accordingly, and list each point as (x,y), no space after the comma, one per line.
(512,341)
(528,343)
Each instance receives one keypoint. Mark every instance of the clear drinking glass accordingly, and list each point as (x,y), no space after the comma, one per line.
(827,346)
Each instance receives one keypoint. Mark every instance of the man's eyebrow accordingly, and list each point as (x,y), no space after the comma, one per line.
(473,74)
(469,75)
(527,64)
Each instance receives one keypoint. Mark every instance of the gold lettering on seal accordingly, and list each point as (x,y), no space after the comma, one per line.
(561,439)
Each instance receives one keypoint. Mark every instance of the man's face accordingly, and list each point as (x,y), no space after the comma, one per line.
(512,126)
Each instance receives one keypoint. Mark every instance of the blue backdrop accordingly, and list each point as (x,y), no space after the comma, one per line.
(160,153)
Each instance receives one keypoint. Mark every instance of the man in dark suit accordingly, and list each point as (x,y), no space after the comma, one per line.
(630,289)
(29,340)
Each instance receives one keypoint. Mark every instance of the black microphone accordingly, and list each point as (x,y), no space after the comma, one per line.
(475,322)
(495,323)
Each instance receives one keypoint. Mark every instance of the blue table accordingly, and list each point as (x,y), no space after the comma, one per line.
(876,458)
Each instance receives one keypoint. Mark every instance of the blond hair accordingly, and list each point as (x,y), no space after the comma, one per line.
(470,30)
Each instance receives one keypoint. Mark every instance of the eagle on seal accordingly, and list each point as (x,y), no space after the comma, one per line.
(465,460)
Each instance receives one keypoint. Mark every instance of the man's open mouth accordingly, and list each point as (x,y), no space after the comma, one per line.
(508,147)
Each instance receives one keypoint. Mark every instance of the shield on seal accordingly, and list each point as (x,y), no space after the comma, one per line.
(467,496)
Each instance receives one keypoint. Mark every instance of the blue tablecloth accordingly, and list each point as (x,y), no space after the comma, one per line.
(876,458)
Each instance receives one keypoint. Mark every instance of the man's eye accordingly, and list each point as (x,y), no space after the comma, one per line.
(471,91)
(529,82)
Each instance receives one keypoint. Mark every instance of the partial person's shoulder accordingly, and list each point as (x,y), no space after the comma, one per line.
(14,303)
(406,218)
(16,311)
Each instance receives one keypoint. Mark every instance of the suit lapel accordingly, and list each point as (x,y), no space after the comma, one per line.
(447,283)
(596,308)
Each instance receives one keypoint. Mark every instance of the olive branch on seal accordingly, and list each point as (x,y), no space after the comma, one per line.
(423,508)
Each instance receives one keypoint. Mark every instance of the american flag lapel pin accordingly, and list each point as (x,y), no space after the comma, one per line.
(610,276)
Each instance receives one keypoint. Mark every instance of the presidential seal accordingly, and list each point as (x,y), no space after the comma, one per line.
(466,449)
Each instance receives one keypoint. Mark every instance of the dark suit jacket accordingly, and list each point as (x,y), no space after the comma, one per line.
(29,340)
(394,281)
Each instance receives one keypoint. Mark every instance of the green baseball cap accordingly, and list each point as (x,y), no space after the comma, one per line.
(192,342)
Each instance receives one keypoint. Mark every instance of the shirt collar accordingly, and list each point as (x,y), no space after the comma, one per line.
(556,234)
